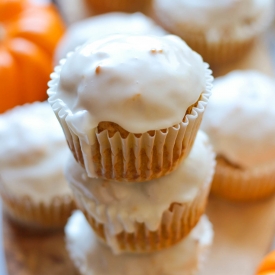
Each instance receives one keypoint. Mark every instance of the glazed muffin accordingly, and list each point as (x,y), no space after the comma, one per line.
(32,155)
(147,216)
(240,124)
(105,6)
(221,31)
(130,106)
(92,257)
(97,26)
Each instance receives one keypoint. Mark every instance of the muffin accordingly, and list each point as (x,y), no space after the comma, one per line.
(32,155)
(104,6)
(97,26)
(146,216)
(92,257)
(221,31)
(240,123)
(130,106)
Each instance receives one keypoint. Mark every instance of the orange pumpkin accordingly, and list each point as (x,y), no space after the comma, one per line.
(28,35)
(267,266)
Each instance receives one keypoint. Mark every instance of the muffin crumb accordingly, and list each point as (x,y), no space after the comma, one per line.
(156,51)
(98,70)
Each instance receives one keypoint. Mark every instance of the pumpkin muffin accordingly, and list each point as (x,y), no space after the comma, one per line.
(240,123)
(92,257)
(110,23)
(147,216)
(32,154)
(130,106)
(221,31)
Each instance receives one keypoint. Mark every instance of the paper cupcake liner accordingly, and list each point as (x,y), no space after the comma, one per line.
(137,157)
(219,50)
(175,224)
(243,185)
(104,6)
(31,214)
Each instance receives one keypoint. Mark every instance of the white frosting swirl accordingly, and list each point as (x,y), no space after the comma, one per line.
(119,205)
(215,17)
(141,83)
(94,258)
(32,153)
(240,118)
(101,25)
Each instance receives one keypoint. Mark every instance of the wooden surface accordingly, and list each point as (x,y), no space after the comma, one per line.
(243,235)
(243,232)
(34,253)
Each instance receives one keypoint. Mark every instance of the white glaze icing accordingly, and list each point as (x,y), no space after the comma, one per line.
(141,83)
(32,153)
(240,118)
(214,17)
(94,258)
(101,25)
(120,205)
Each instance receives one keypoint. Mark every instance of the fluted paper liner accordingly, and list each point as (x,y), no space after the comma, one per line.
(220,52)
(29,213)
(243,185)
(176,222)
(139,157)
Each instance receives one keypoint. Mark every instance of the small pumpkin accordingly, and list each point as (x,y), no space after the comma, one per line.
(267,265)
(28,35)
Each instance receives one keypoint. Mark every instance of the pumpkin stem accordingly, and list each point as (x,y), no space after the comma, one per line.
(2,33)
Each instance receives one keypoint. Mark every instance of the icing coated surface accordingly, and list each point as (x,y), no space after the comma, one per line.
(216,17)
(141,83)
(94,258)
(32,153)
(240,118)
(119,205)
(105,24)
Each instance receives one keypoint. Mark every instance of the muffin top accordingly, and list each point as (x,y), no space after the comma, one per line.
(240,116)
(32,153)
(213,17)
(120,205)
(93,257)
(101,25)
(141,83)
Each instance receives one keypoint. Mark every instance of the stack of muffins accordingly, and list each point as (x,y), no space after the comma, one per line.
(130,108)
